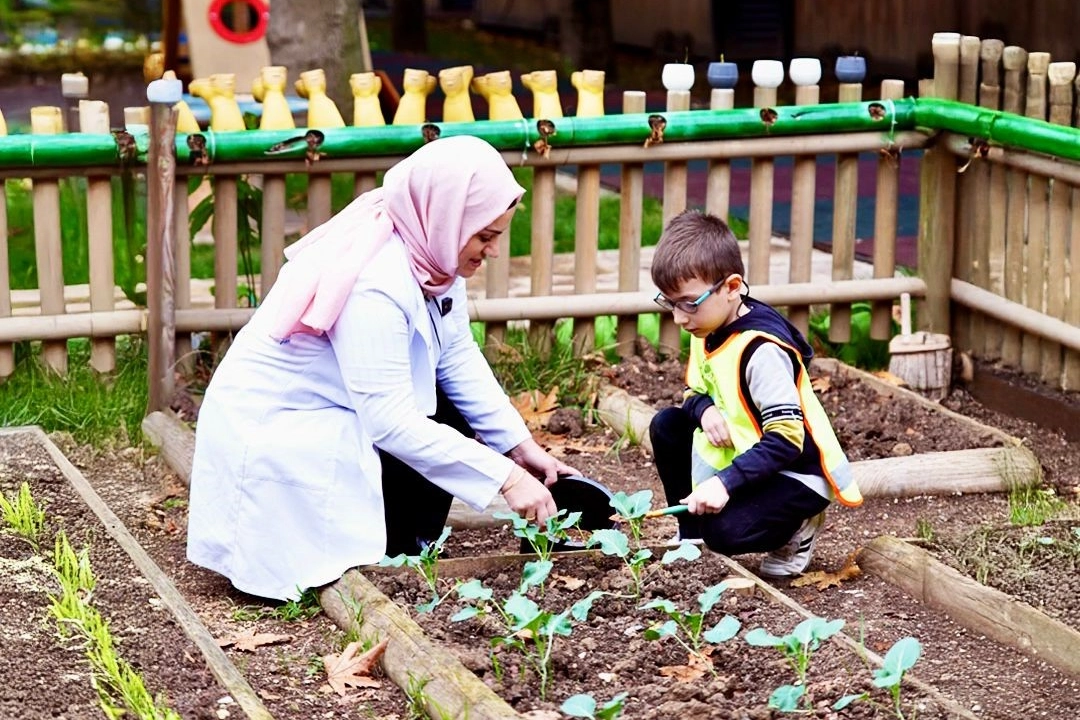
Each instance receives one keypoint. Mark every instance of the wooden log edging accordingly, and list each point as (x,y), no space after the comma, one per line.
(450,689)
(977,607)
(216,660)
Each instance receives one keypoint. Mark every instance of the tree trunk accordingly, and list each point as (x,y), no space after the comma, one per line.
(587,37)
(307,35)
(408,26)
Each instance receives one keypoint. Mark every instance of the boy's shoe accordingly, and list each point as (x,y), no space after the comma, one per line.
(794,557)
(676,540)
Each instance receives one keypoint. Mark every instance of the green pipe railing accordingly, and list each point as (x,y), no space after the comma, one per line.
(885,116)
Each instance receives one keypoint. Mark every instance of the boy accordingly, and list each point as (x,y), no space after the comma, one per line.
(751,452)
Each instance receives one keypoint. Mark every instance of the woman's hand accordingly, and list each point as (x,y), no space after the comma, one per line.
(715,427)
(709,497)
(528,497)
(537,461)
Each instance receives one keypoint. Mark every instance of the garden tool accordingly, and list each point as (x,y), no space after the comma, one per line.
(576,493)
(671,510)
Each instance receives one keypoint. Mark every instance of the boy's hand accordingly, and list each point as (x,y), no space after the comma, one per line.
(709,497)
(715,427)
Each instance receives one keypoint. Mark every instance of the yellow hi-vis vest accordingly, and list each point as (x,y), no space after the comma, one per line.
(719,374)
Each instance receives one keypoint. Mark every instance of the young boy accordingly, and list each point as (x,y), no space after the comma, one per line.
(751,451)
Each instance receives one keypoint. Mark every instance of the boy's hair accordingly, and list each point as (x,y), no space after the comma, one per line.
(695,245)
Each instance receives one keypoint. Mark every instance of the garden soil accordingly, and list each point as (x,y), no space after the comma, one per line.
(988,679)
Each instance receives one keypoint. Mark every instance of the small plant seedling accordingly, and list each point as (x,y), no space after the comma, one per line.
(632,509)
(426,564)
(584,706)
(615,543)
(543,541)
(690,625)
(527,628)
(25,517)
(900,658)
(797,647)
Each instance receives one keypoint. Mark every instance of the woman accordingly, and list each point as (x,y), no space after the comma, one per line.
(347,411)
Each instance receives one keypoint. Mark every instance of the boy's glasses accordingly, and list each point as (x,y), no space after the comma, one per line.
(687,306)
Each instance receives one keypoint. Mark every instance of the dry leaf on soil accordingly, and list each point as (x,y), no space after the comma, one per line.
(890,378)
(349,670)
(535,407)
(823,579)
(249,640)
(696,666)
(821,384)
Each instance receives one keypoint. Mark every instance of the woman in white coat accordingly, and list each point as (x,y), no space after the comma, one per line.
(355,403)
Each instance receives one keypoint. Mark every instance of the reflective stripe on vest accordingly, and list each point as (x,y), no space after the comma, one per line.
(719,374)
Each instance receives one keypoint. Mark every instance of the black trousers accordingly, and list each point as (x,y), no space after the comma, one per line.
(416,508)
(760,516)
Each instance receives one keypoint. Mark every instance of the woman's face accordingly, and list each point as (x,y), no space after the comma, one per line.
(483,244)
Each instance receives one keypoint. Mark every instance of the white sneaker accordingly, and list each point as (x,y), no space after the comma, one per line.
(794,557)
(676,540)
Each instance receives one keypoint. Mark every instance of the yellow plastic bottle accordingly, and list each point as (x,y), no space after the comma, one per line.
(367,111)
(322,112)
(416,85)
(269,89)
(455,83)
(590,87)
(544,85)
(497,89)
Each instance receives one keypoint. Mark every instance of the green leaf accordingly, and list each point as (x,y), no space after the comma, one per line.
(727,628)
(760,637)
(786,698)
(465,613)
(523,611)
(535,573)
(583,706)
(613,707)
(847,700)
(710,596)
(659,604)
(473,590)
(633,506)
(667,629)
(685,551)
(611,542)
(902,656)
(580,609)
(887,678)
(557,624)
(427,607)
(396,561)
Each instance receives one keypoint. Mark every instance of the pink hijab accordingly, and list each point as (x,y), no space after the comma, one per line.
(434,200)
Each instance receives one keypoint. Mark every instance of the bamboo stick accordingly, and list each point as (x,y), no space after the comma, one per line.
(761,203)
(675,177)
(718,175)
(845,204)
(963,258)
(542,250)
(586,246)
(1037,217)
(1061,76)
(885,214)
(631,196)
(1014,60)
(160,278)
(937,202)
(990,217)
(47,120)
(803,198)
(94,118)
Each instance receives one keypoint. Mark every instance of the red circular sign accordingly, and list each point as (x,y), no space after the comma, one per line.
(223,13)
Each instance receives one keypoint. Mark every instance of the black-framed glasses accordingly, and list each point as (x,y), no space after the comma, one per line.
(687,306)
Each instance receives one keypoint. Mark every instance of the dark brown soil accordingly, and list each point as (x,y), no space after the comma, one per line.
(991,680)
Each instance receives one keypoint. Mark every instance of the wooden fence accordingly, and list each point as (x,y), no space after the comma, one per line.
(996,230)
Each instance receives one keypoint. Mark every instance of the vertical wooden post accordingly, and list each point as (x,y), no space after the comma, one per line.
(845,206)
(363,182)
(272,232)
(885,212)
(967,92)
(1037,216)
(1071,378)
(761,203)
(675,177)
(225,241)
(1061,75)
(7,350)
(989,219)
(586,247)
(47,120)
(94,118)
(803,197)
(1014,60)
(542,252)
(185,358)
(937,204)
(160,236)
(718,177)
(319,207)
(497,285)
(631,196)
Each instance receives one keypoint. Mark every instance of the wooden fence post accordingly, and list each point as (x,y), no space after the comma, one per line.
(937,204)
(675,177)
(1071,379)
(803,198)
(761,188)
(1061,75)
(94,118)
(1014,60)
(47,120)
(963,257)
(160,252)
(1037,217)
(885,212)
(632,193)
(845,206)
(989,221)
(7,350)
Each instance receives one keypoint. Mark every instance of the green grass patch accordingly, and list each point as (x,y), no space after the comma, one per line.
(96,409)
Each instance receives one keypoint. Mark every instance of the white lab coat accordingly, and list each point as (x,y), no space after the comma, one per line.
(286,487)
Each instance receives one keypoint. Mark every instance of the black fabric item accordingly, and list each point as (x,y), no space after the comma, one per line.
(415,508)
(760,517)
